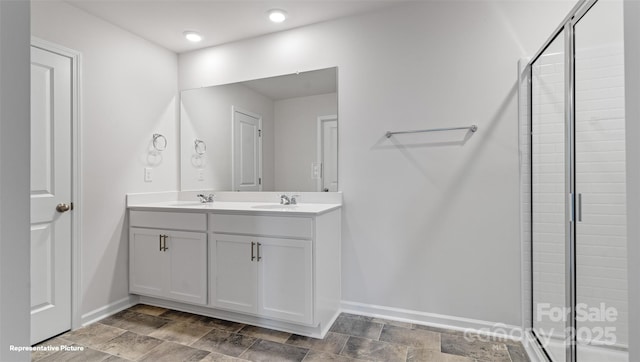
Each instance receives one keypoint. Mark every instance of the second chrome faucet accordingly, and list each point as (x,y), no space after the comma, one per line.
(206,198)
(289,200)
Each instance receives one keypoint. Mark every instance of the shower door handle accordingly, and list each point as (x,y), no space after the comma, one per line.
(579,208)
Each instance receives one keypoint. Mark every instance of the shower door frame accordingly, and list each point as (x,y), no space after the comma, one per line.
(566,29)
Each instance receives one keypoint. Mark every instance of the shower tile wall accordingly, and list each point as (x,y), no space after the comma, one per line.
(600,174)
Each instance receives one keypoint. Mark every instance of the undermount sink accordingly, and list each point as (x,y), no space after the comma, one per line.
(274,207)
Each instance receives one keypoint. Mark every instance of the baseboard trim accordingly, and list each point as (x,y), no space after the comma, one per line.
(490,329)
(109,309)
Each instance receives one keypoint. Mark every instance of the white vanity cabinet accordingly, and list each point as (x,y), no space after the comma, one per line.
(265,276)
(278,269)
(168,263)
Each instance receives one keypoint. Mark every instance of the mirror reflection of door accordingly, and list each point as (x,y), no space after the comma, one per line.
(247,150)
(328,153)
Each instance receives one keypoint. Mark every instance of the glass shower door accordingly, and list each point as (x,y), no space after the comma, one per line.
(548,198)
(601,243)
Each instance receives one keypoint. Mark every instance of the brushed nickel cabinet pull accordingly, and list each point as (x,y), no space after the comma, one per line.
(258,247)
(160,241)
(164,244)
(253,257)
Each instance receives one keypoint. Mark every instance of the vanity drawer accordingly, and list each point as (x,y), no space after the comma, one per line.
(168,220)
(285,226)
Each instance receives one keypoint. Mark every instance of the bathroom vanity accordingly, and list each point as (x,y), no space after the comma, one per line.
(260,263)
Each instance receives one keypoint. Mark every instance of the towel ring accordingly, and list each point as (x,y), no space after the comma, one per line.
(200,146)
(159,142)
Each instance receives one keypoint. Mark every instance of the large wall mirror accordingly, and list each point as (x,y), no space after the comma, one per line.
(271,134)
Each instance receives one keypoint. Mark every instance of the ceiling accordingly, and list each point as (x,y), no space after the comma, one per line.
(164,21)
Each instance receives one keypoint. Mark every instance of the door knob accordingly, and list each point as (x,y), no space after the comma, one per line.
(63,207)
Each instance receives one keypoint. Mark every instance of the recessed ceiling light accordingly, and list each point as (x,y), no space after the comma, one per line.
(192,36)
(277,15)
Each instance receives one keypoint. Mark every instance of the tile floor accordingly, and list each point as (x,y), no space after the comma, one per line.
(147,333)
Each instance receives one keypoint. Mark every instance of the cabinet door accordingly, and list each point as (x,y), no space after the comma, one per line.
(285,280)
(187,267)
(233,273)
(146,262)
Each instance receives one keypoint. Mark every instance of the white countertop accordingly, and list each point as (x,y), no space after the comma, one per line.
(241,207)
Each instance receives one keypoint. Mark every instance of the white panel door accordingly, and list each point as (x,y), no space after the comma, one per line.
(233,273)
(247,151)
(284,279)
(329,153)
(51,104)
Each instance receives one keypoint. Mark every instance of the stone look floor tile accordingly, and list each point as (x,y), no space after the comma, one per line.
(116,359)
(438,330)
(220,324)
(429,355)
(270,351)
(228,343)
(479,350)
(332,342)
(266,334)
(319,356)
(487,338)
(129,345)
(363,348)
(219,357)
(517,353)
(93,335)
(53,342)
(393,323)
(378,320)
(148,333)
(180,332)
(148,309)
(88,354)
(135,322)
(357,327)
(411,337)
(178,316)
(172,352)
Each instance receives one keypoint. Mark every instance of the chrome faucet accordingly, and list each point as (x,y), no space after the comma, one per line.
(206,198)
(294,199)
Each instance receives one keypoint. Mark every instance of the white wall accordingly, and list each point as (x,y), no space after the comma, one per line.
(129,90)
(205,113)
(429,224)
(632,116)
(296,129)
(14,179)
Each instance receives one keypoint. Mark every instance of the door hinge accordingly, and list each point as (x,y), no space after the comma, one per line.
(259,180)
(259,133)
